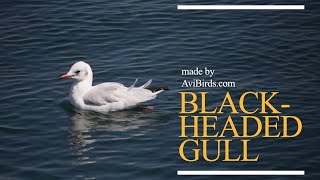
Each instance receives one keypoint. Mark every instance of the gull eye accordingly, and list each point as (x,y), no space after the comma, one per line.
(78,72)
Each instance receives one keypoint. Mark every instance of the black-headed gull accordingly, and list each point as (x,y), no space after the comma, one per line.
(105,97)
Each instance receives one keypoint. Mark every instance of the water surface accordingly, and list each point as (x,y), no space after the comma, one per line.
(43,137)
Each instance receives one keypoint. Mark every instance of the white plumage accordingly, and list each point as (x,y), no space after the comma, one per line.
(105,97)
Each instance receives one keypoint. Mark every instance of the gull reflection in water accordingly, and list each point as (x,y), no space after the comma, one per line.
(90,127)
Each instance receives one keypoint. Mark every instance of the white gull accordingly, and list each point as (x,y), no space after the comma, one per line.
(105,97)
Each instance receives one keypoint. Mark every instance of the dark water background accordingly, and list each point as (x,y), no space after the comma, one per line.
(43,137)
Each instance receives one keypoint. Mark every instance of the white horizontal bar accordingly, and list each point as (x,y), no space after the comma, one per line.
(244,173)
(240,7)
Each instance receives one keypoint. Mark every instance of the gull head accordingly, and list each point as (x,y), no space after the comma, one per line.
(79,71)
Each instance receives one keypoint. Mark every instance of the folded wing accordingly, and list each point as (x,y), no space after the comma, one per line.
(116,93)
(105,93)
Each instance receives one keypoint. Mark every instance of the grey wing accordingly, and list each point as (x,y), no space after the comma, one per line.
(105,93)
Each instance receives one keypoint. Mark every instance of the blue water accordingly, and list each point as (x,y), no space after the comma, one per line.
(43,137)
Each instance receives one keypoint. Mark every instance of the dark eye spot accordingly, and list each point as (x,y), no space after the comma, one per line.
(77,71)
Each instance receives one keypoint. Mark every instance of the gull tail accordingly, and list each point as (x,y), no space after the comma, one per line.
(158,89)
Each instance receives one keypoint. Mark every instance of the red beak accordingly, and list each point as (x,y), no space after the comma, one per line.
(65,76)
